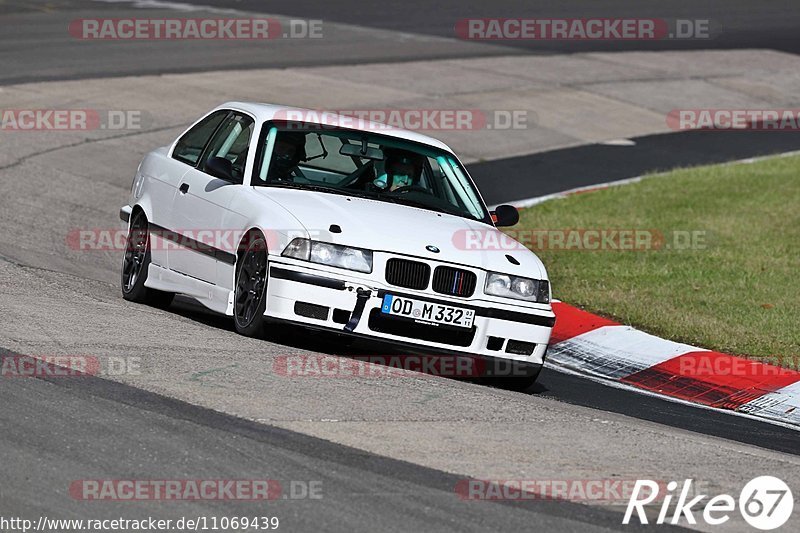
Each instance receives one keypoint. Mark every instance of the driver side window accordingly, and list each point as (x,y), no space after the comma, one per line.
(231,142)
(191,145)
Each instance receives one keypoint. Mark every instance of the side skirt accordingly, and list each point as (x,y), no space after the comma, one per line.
(212,296)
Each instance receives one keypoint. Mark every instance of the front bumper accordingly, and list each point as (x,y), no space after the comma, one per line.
(339,301)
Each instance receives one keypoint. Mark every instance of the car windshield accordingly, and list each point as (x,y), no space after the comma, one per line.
(366,164)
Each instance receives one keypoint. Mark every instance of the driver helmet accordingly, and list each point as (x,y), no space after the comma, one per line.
(401,169)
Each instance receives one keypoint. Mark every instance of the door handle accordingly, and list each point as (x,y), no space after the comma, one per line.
(184,188)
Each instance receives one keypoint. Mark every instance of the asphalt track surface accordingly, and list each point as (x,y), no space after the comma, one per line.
(733,23)
(124,429)
(573,389)
(56,431)
(34,45)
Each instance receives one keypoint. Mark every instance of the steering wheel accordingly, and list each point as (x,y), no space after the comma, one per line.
(354,178)
(410,188)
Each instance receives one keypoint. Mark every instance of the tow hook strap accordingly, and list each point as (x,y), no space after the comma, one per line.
(361,302)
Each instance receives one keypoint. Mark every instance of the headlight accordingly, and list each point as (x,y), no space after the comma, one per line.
(531,290)
(330,254)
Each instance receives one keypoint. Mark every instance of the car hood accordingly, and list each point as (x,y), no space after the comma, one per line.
(388,227)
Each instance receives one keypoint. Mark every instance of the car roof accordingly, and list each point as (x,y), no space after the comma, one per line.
(264,112)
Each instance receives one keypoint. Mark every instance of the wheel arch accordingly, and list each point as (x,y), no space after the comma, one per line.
(142,207)
(246,235)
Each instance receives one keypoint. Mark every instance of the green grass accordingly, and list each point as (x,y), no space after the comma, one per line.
(740,294)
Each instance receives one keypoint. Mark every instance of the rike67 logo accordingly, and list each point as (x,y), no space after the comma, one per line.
(765,503)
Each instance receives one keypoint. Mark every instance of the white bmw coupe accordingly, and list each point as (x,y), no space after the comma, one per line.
(336,224)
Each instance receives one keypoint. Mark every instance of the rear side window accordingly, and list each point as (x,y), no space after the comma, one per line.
(191,145)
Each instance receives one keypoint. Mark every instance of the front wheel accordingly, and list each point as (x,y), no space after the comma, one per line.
(135,265)
(249,301)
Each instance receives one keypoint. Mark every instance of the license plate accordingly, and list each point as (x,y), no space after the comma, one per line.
(429,312)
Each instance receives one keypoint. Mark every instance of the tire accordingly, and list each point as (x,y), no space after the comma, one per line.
(249,299)
(135,265)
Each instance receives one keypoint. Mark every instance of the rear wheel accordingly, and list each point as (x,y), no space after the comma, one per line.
(249,301)
(135,265)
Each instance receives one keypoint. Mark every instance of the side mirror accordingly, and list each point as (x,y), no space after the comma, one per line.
(505,215)
(221,168)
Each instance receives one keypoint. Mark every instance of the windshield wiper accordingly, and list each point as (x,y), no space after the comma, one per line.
(308,186)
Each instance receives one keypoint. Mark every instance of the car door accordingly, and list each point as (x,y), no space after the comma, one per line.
(203,197)
(184,157)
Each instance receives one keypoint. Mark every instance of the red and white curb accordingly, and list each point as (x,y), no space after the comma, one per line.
(594,346)
(598,348)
